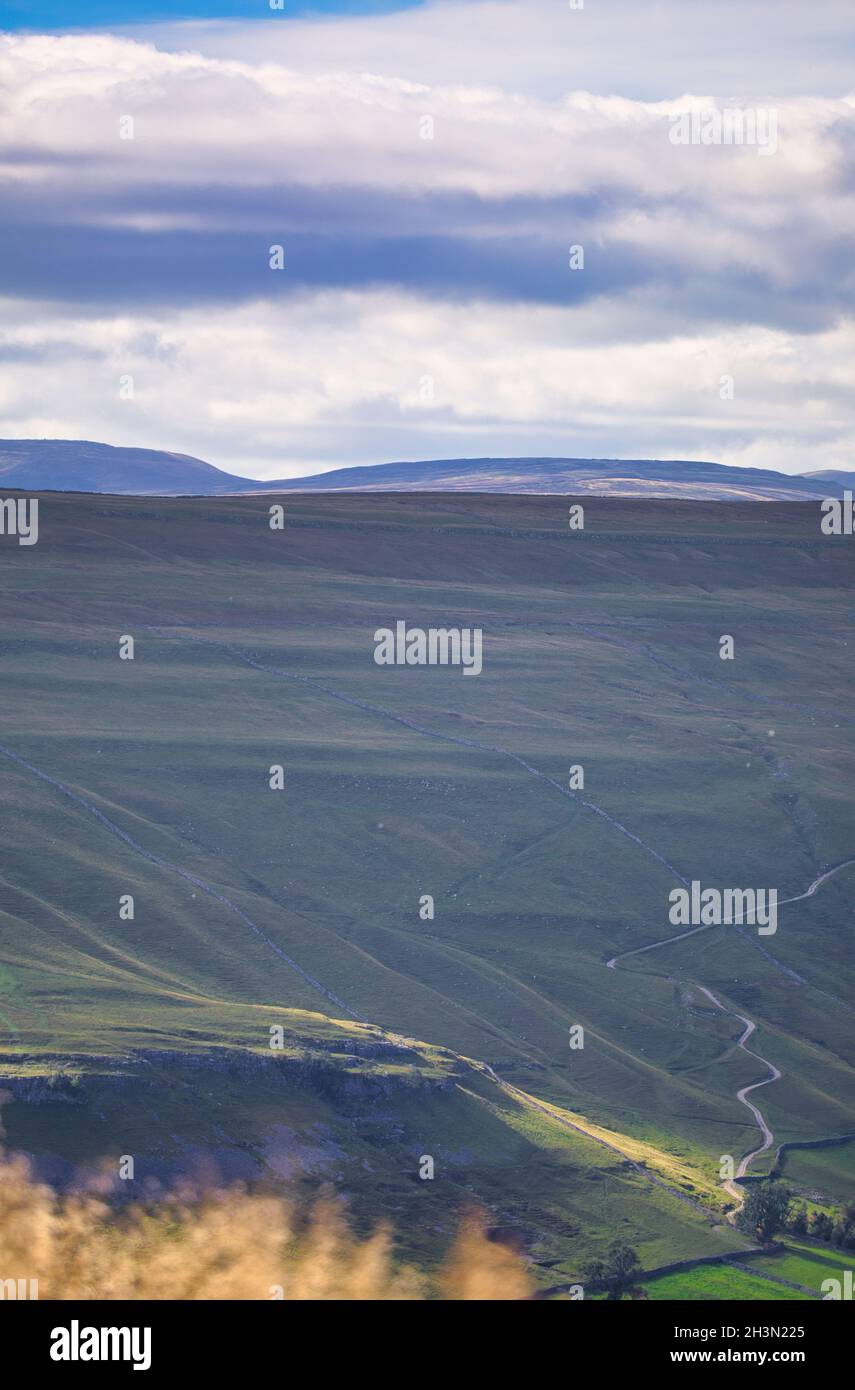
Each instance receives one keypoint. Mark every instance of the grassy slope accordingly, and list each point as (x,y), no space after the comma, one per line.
(600,649)
(824,1173)
(717,1283)
(806,1264)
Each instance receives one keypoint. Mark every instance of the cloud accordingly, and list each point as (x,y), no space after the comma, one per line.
(331,378)
(417,204)
(228,158)
(200,120)
(734,49)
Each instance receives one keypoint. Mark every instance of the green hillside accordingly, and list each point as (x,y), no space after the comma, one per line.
(254,647)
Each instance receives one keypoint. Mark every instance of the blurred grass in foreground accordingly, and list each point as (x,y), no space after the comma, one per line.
(229,1244)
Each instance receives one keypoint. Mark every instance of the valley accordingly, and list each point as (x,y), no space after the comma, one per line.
(298,908)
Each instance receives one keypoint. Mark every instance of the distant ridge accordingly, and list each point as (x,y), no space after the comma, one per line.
(80,465)
(604,477)
(832,475)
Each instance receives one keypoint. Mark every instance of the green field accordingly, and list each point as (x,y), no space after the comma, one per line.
(806,1264)
(255,908)
(714,1282)
(827,1174)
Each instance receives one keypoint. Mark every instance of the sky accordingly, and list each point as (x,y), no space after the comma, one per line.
(59,15)
(426,169)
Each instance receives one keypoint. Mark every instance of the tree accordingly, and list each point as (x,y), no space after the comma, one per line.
(799,1221)
(766,1209)
(617,1272)
(821,1225)
(847,1227)
(594,1272)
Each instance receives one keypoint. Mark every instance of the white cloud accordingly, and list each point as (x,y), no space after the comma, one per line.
(739,250)
(200,120)
(734,48)
(330,379)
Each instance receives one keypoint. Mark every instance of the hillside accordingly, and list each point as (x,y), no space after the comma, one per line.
(357,1109)
(83,466)
(839,476)
(80,465)
(299,908)
(603,477)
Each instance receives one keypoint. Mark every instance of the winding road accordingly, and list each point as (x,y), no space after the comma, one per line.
(681,936)
(774,1075)
(750,1027)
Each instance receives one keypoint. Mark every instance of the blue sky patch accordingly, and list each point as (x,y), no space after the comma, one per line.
(57,14)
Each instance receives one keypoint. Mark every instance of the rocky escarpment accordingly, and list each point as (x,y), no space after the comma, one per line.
(332,1068)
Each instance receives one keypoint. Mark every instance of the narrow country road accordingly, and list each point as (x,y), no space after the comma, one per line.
(774,1075)
(818,882)
(767,1134)
(681,936)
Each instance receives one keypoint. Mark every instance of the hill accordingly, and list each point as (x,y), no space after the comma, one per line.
(80,465)
(840,476)
(603,477)
(300,908)
(83,466)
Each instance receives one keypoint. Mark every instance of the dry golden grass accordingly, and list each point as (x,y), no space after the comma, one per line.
(230,1244)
